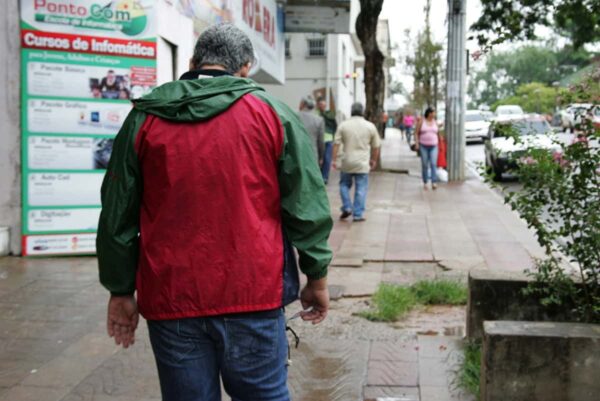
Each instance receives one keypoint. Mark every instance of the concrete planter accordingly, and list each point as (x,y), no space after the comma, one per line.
(540,361)
(530,352)
(4,241)
(499,296)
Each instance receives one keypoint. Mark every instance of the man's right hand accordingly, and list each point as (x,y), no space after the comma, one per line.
(123,318)
(316,295)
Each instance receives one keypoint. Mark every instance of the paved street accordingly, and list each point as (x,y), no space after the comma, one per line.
(53,344)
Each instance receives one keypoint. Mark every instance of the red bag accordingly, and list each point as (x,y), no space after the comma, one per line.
(441,161)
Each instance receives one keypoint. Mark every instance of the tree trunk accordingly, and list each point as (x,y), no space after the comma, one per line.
(366,30)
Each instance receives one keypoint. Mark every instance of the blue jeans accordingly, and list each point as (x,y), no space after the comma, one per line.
(248,353)
(429,156)
(408,132)
(326,166)
(361,182)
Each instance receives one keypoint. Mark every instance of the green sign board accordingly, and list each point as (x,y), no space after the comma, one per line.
(82,62)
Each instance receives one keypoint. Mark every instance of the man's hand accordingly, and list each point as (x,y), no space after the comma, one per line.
(315,295)
(123,318)
(334,164)
(373,164)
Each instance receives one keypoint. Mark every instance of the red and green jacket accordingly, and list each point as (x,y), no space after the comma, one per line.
(207,181)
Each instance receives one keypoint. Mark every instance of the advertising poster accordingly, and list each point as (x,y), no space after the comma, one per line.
(261,20)
(81,62)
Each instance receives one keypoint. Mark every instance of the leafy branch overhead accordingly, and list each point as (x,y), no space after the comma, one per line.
(503,20)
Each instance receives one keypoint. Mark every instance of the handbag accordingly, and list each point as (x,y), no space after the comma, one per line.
(442,160)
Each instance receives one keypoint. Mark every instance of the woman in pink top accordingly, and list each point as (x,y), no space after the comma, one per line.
(426,136)
(409,122)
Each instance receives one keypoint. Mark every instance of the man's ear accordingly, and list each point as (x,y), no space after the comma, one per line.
(245,70)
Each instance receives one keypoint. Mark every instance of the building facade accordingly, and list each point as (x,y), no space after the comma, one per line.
(317,61)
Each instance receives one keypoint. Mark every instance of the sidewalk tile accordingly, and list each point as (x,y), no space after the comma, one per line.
(377,393)
(31,393)
(442,393)
(393,373)
(401,351)
(14,371)
(75,363)
(355,281)
(439,347)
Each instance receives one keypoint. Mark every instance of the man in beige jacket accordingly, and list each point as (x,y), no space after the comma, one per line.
(361,143)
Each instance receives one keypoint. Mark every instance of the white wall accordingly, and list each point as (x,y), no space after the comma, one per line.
(306,74)
(10,128)
(179,30)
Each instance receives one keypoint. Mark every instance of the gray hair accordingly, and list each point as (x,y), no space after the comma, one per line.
(309,102)
(357,109)
(224,45)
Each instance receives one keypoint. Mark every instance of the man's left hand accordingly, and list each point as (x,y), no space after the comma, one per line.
(123,318)
(373,164)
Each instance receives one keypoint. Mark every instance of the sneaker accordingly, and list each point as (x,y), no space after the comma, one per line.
(434,186)
(359,219)
(345,214)
(425,187)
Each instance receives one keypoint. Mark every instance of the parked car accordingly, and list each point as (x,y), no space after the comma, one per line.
(476,125)
(571,116)
(508,112)
(501,149)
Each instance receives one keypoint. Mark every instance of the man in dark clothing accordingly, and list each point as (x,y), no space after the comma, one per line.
(330,129)
(210,183)
(315,126)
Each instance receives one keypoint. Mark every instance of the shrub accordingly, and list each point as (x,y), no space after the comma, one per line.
(560,201)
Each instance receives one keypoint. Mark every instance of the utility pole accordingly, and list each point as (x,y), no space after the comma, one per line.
(455,89)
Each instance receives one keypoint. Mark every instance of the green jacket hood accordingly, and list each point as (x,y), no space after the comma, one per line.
(195,100)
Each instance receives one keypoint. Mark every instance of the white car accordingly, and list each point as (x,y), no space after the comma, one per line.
(476,125)
(508,112)
(502,151)
(571,116)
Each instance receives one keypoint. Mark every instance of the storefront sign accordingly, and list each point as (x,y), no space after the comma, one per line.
(82,62)
(261,20)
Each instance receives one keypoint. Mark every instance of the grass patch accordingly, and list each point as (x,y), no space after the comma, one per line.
(391,301)
(440,292)
(468,375)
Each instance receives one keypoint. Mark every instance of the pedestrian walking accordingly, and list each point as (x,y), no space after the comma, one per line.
(409,123)
(330,129)
(426,138)
(315,126)
(361,143)
(209,183)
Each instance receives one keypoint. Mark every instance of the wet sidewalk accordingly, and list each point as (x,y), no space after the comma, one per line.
(460,226)
(53,345)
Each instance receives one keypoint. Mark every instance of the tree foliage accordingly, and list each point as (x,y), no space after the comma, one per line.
(503,20)
(533,97)
(426,67)
(505,71)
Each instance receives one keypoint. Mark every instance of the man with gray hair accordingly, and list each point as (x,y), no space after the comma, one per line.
(210,187)
(315,126)
(361,143)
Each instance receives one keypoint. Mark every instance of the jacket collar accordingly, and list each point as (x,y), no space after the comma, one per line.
(203,73)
